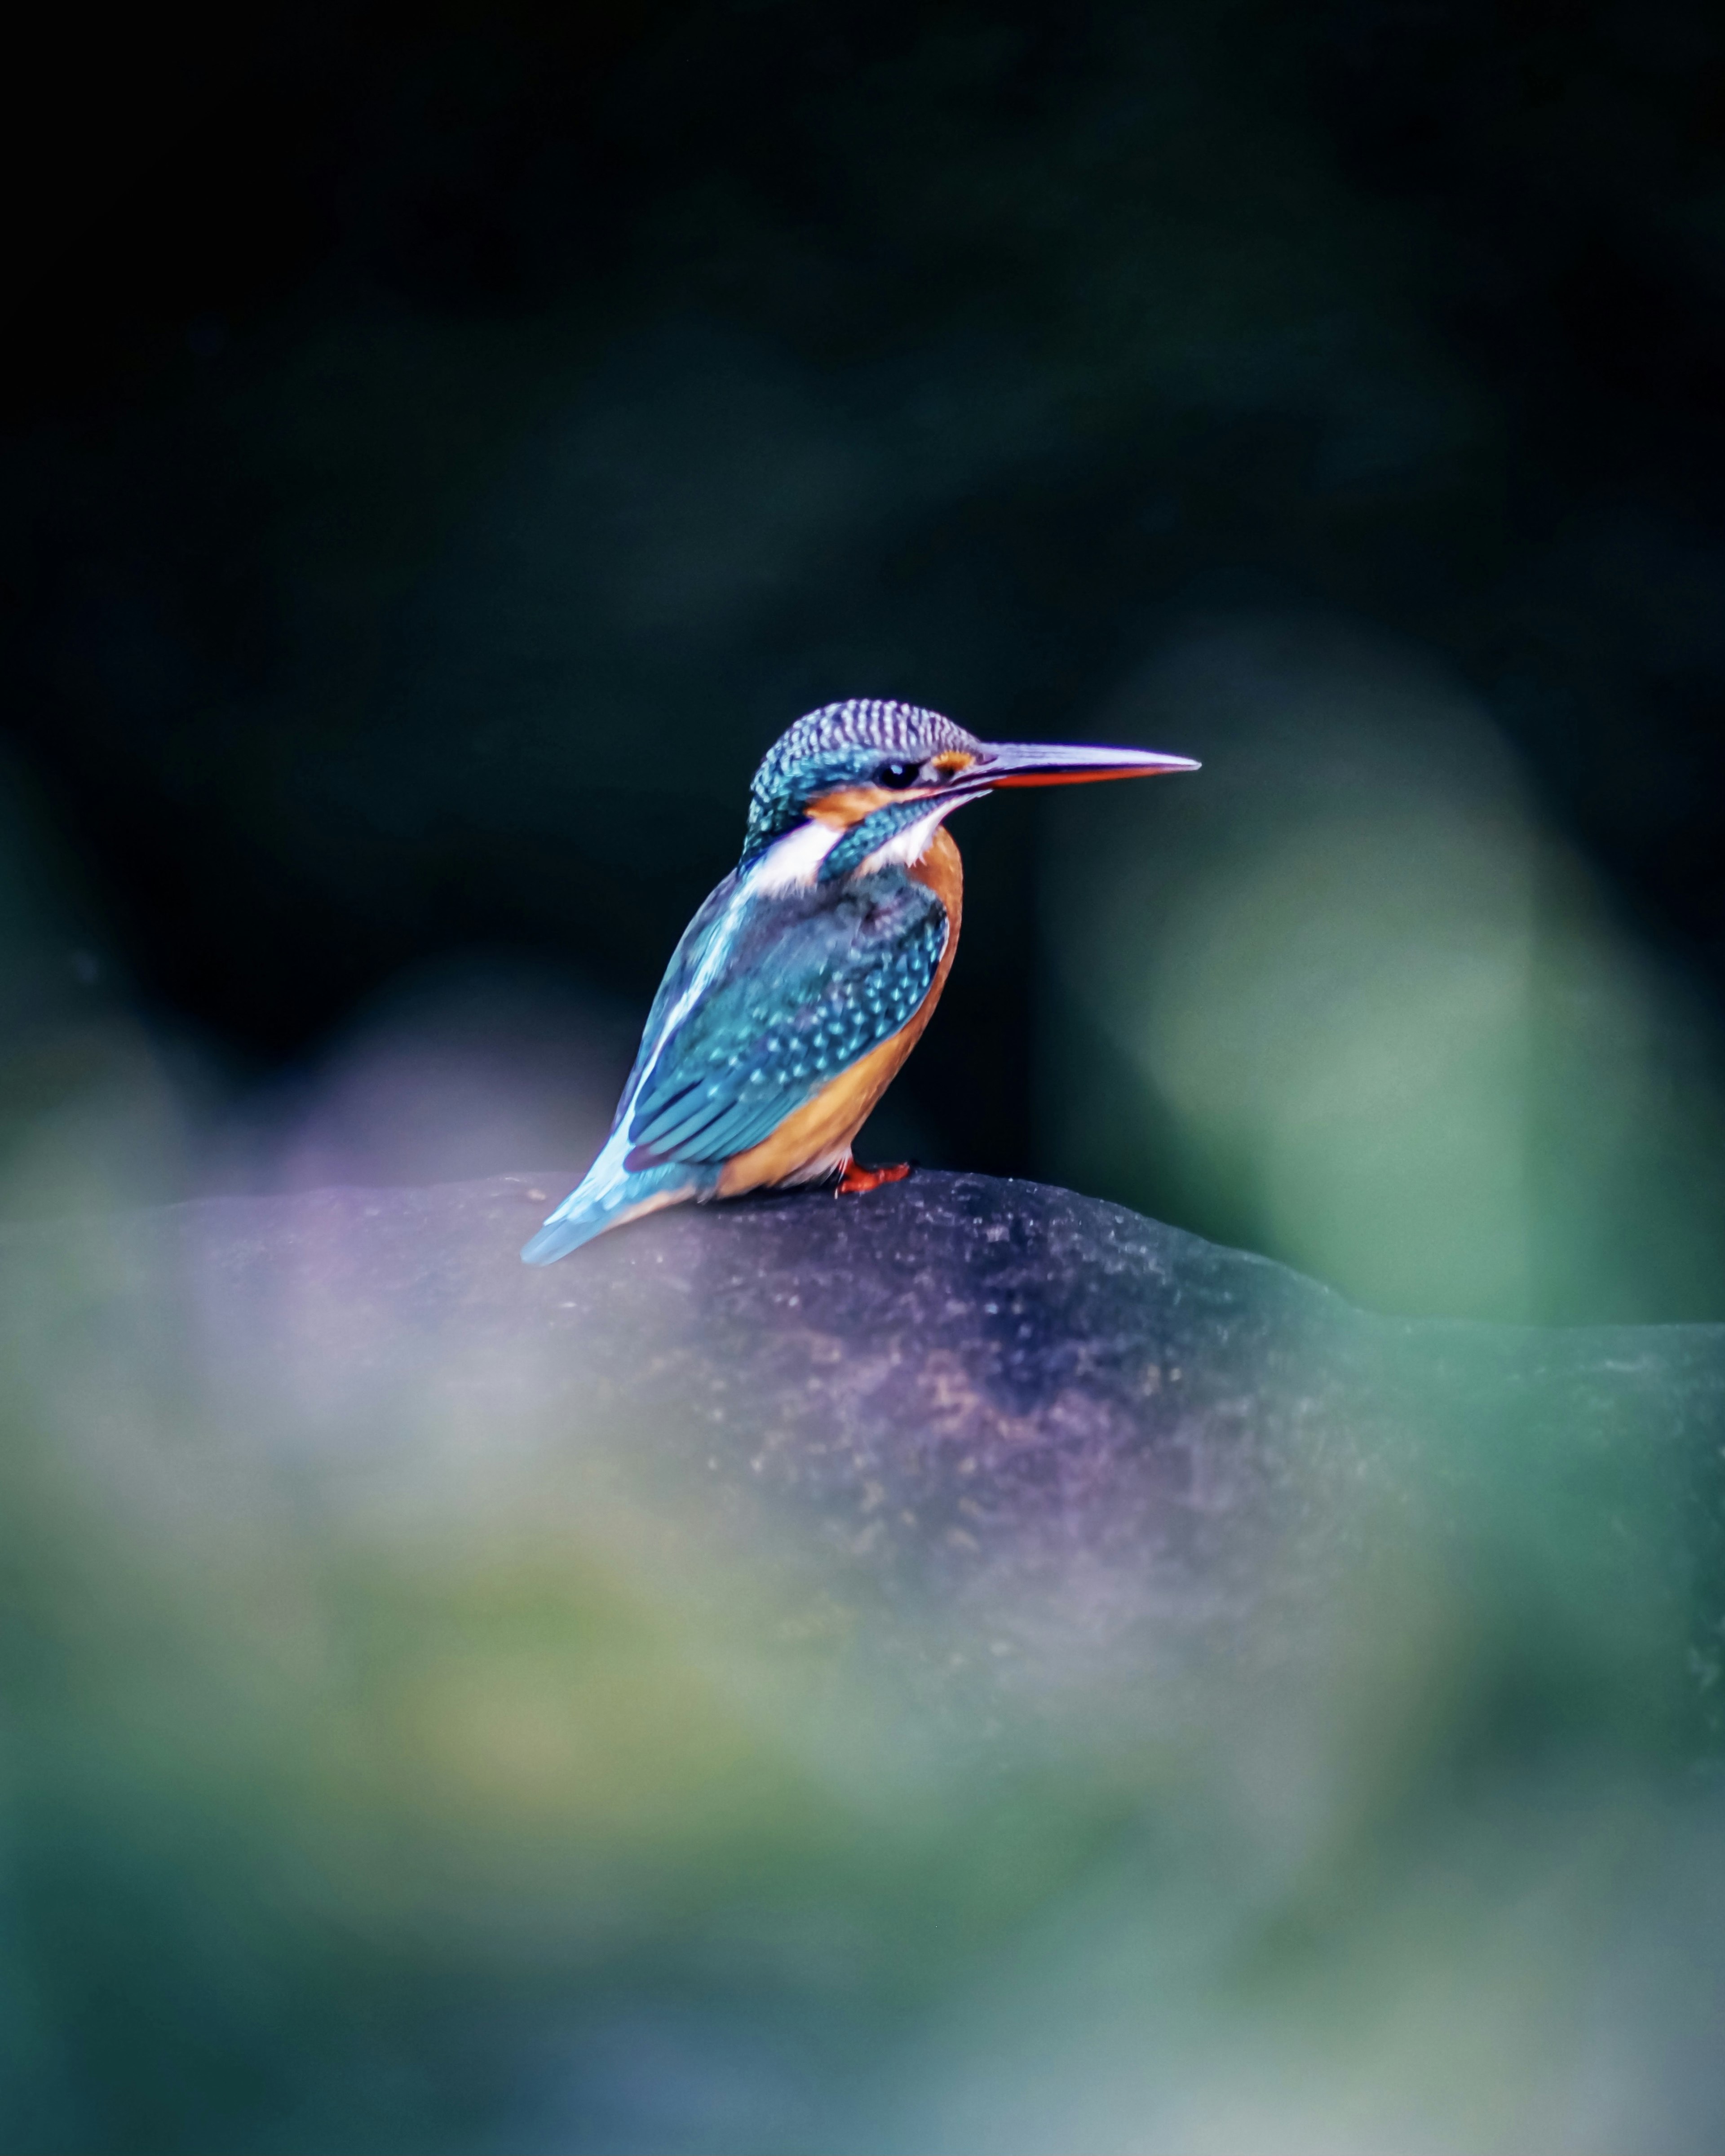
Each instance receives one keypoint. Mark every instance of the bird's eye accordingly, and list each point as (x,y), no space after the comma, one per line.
(897,774)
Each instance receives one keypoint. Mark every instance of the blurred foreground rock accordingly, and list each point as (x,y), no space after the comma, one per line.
(959,1668)
(958,1402)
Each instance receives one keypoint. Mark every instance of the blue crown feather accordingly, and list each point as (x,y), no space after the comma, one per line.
(838,746)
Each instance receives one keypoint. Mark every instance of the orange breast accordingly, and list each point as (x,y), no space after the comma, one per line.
(818,1136)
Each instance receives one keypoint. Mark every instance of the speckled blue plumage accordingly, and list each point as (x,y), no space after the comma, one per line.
(869,836)
(773,991)
(821,945)
(814,979)
(839,745)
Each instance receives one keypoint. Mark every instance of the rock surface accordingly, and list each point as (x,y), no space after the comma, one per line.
(958,1393)
(961,1667)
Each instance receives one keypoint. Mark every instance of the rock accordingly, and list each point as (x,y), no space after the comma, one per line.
(994,1396)
(961,1666)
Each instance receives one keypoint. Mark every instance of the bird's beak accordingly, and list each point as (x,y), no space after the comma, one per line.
(1058,763)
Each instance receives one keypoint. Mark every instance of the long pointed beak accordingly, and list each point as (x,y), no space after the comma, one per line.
(1059,763)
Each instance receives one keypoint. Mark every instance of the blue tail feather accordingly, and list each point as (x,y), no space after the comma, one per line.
(557,1238)
(606,1199)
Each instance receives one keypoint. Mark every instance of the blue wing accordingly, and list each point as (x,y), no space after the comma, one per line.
(810,983)
(707,923)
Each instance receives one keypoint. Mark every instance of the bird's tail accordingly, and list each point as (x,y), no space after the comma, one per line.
(562,1232)
(602,1201)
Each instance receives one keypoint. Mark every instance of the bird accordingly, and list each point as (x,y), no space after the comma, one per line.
(806,976)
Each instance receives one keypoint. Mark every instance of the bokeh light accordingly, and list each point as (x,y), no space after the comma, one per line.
(1370,1007)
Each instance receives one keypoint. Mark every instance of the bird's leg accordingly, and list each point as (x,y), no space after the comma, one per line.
(868,1179)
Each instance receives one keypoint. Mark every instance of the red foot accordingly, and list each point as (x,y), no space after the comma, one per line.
(869,1178)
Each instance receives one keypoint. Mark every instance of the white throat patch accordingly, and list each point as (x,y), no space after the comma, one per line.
(792,862)
(912,843)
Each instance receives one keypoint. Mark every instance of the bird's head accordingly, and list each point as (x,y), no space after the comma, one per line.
(865,768)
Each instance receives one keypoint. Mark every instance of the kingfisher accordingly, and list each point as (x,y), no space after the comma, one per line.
(806,976)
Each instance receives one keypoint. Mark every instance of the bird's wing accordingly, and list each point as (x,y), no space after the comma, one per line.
(707,927)
(807,984)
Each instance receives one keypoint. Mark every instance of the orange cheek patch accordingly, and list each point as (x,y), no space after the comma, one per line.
(851,803)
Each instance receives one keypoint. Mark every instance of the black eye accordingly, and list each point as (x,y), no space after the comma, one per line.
(897,774)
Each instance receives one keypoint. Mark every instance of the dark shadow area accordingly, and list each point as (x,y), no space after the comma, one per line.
(446,444)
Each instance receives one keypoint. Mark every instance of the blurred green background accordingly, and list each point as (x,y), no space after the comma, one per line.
(445,446)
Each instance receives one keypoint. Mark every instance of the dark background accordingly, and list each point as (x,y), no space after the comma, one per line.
(446,444)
